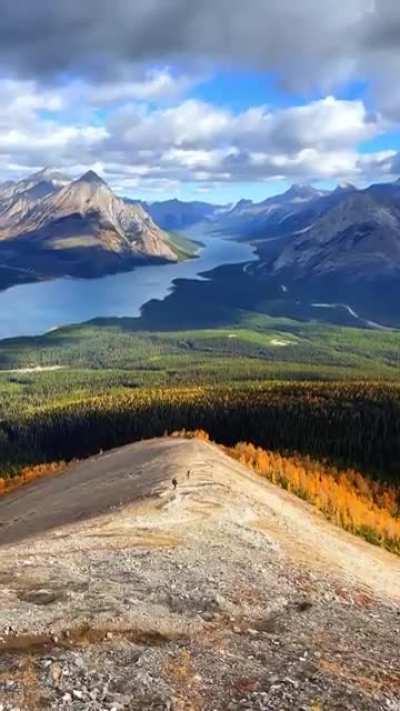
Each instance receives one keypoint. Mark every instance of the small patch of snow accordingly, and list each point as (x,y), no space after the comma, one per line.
(346,307)
(36,369)
(279,342)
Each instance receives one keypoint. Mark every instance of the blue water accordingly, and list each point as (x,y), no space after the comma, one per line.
(32,309)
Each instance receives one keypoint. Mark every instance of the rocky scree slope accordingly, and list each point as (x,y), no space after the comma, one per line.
(120,591)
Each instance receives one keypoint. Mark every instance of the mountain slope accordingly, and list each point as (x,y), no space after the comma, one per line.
(226,591)
(345,264)
(79,228)
(176,214)
(337,258)
(360,236)
(17,198)
(42,183)
(274,216)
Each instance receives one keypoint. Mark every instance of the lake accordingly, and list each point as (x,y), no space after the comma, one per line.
(32,309)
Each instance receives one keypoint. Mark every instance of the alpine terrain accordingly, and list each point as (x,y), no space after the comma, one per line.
(51,226)
(165,575)
(325,251)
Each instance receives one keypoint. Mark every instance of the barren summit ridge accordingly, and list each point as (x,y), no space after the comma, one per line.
(224,593)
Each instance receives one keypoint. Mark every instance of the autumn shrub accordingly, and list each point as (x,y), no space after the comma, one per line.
(192,434)
(346,497)
(28,475)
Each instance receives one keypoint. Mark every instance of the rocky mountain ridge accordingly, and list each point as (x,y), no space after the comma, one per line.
(329,255)
(360,234)
(221,594)
(178,214)
(53,226)
(38,184)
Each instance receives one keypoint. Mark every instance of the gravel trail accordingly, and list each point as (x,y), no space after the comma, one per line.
(120,591)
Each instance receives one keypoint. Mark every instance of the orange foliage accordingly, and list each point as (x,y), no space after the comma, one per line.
(347,498)
(29,474)
(192,434)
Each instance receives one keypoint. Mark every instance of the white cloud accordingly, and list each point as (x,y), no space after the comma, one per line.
(21,100)
(195,140)
(81,92)
(136,144)
(155,85)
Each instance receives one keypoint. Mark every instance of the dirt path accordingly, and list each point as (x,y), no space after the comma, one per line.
(222,593)
(145,469)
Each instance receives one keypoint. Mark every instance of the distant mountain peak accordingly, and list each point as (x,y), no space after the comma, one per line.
(84,212)
(299,186)
(91,177)
(345,187)
(51,175)
(303,190)
(46,172)
(244,202)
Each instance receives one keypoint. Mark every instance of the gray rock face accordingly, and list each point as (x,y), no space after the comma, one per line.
(47,215)
(37,185)
(274,216)
(359,236)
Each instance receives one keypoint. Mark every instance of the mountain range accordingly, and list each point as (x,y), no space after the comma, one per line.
(50,225)
(337,251)
(326,248)
(307,233)
(178,215)
(318,233)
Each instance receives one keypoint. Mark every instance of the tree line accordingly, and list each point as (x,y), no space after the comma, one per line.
(347,424)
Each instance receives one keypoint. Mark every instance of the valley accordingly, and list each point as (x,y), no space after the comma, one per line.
(35,308)
(199,355)
(300,249)
(114,375)
(233,321)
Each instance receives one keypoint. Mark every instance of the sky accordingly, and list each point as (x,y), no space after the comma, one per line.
(201,99)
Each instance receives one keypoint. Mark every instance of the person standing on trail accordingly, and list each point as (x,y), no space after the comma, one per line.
(188,474)
(174,483)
